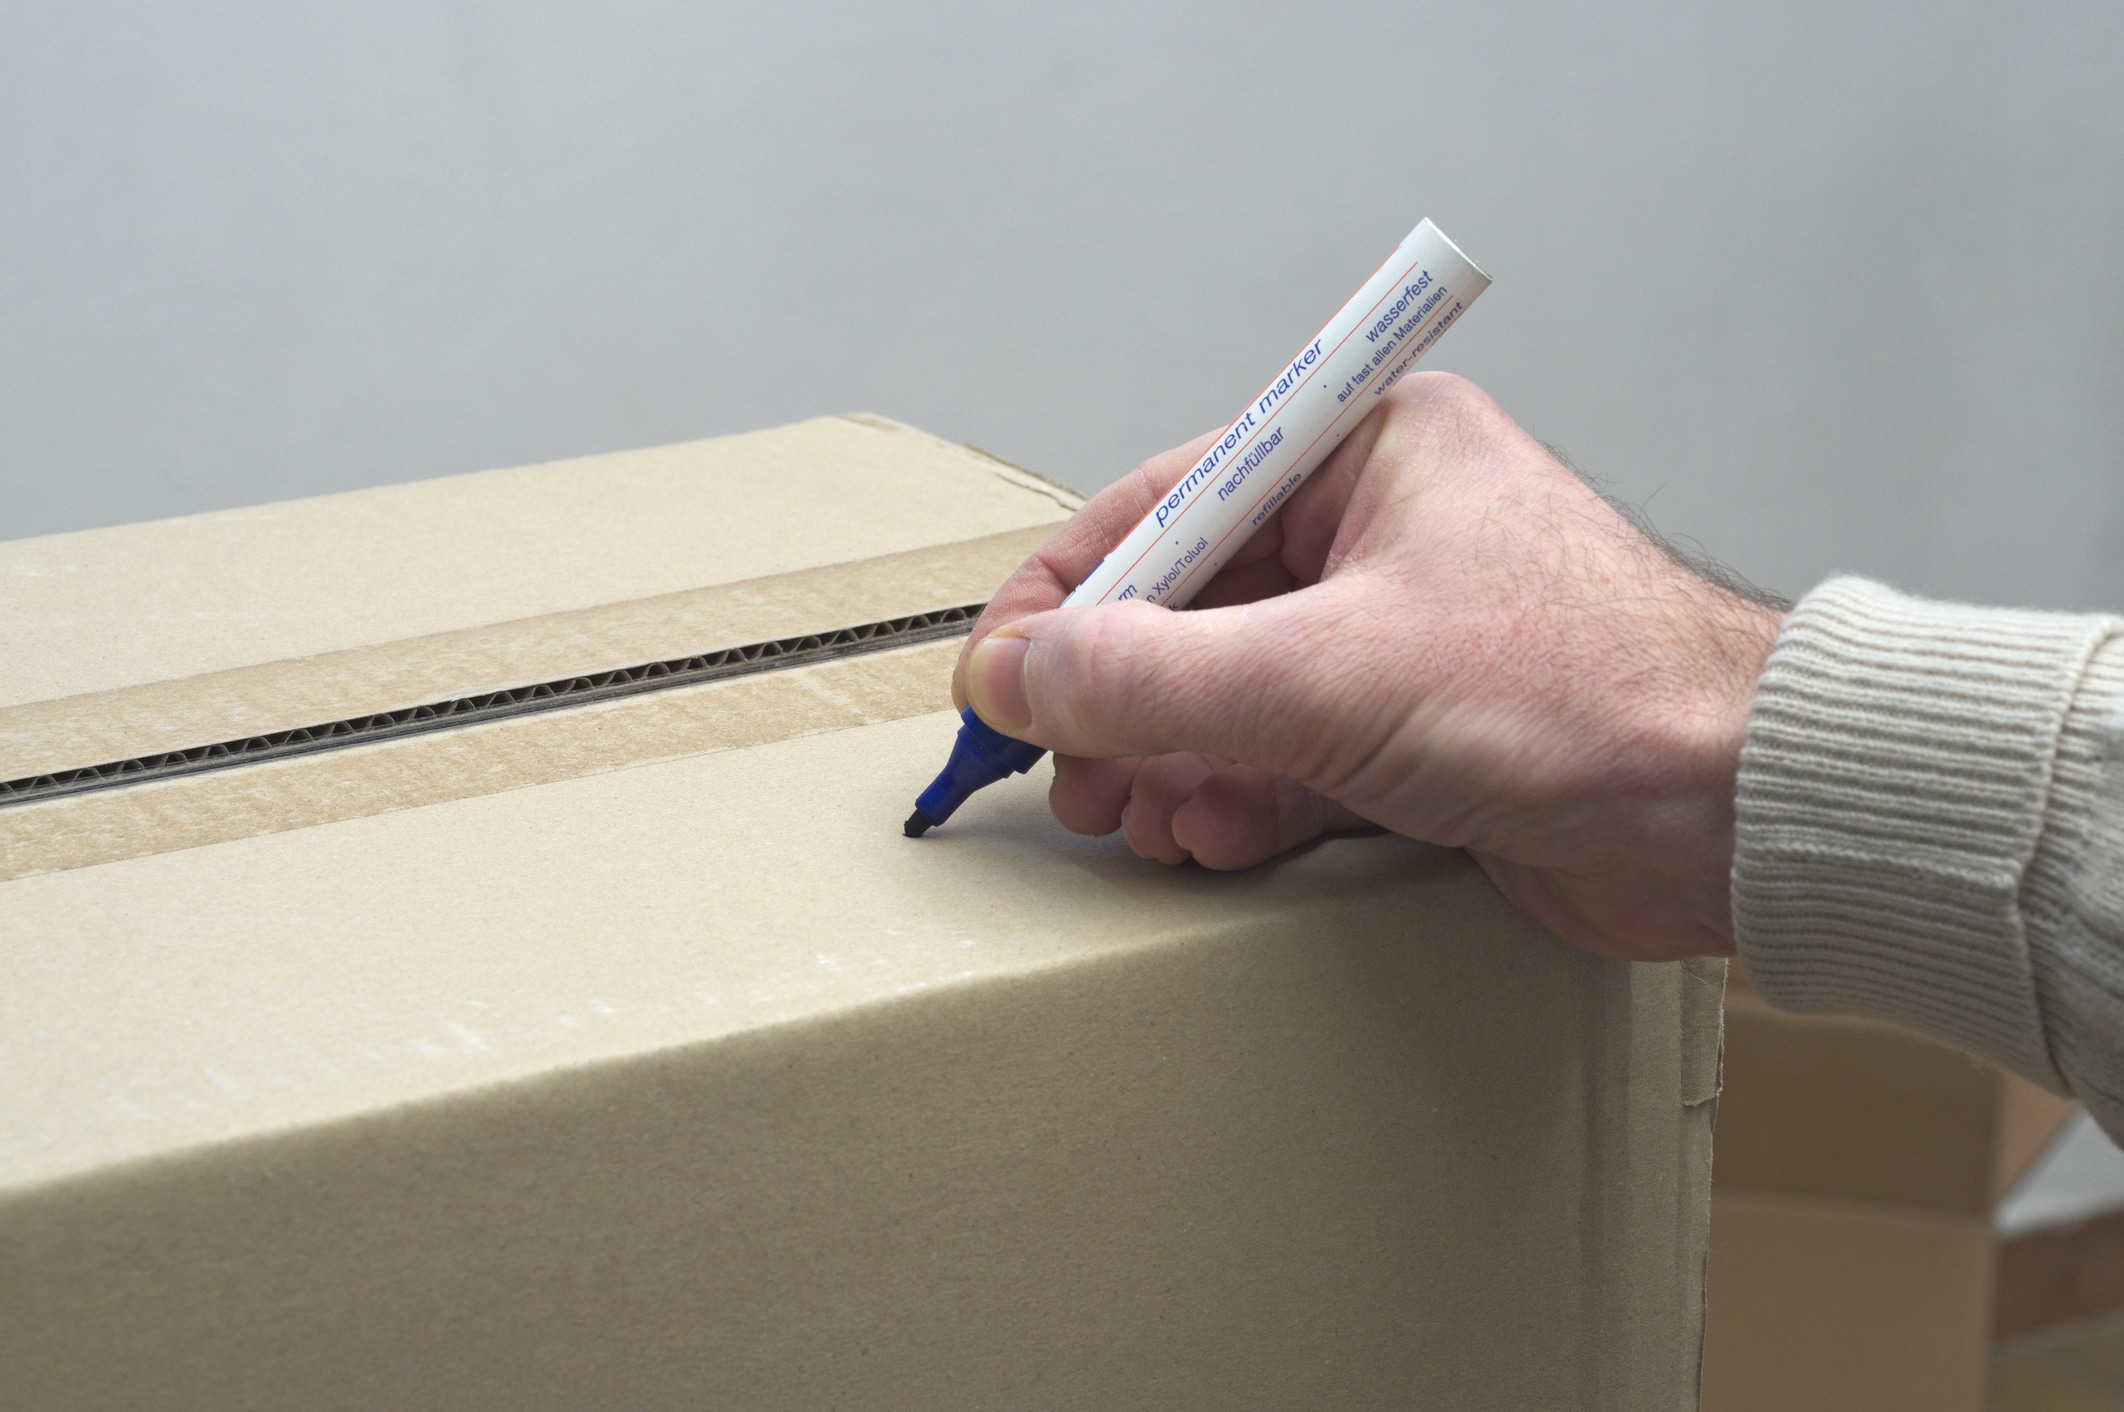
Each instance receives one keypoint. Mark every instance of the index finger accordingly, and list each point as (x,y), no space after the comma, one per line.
(1058,566)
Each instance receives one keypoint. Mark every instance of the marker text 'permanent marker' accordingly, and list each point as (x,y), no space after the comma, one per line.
(1303,414)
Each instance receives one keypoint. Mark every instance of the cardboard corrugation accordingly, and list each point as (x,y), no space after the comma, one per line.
(195,810)
(101,610)
(627,1055)
(95,728)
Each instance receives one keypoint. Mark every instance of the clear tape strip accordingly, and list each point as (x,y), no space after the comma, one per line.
(584,690)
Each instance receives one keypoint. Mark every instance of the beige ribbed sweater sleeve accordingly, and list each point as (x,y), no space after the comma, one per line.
(1930,829)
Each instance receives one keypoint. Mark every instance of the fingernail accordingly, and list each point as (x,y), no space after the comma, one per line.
(995,679)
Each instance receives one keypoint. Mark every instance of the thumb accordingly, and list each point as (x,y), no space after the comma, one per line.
(1251,683)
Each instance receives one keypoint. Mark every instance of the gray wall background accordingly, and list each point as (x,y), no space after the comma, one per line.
(1831,285)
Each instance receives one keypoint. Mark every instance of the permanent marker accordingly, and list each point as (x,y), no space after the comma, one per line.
(1250,471)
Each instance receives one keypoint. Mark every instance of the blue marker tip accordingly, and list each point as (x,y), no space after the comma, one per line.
(979,757)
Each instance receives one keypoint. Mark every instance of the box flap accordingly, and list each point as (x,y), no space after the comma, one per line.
(105,609)
(1854,1109)
(1838,1306)
(146,651)
(95,728)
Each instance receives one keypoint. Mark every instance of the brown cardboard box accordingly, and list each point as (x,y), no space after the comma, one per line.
(1853,1263)
(623,1053)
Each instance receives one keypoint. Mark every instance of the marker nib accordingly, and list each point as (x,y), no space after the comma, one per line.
(917,824)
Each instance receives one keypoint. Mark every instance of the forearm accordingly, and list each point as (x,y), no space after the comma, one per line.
(1930,829)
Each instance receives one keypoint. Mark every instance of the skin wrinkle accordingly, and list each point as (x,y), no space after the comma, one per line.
(1445,632)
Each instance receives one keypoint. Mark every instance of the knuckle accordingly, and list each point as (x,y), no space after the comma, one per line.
(1439,403)
(1086,680)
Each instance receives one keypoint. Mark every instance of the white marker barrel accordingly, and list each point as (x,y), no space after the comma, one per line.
(1292,426)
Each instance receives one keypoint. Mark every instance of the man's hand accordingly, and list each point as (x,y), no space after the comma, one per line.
(1445,633)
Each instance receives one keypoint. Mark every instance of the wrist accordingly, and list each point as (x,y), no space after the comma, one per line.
(1689,815)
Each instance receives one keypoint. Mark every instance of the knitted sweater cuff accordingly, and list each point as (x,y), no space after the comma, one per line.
(1892,791)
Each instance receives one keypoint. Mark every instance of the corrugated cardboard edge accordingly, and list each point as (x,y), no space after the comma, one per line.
(96,728)
(263,583)
(192,811)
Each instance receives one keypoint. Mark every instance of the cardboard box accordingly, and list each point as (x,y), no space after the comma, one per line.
(1853,1259)
(614,1048)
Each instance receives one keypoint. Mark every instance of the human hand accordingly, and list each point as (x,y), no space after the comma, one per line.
(1444,632)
